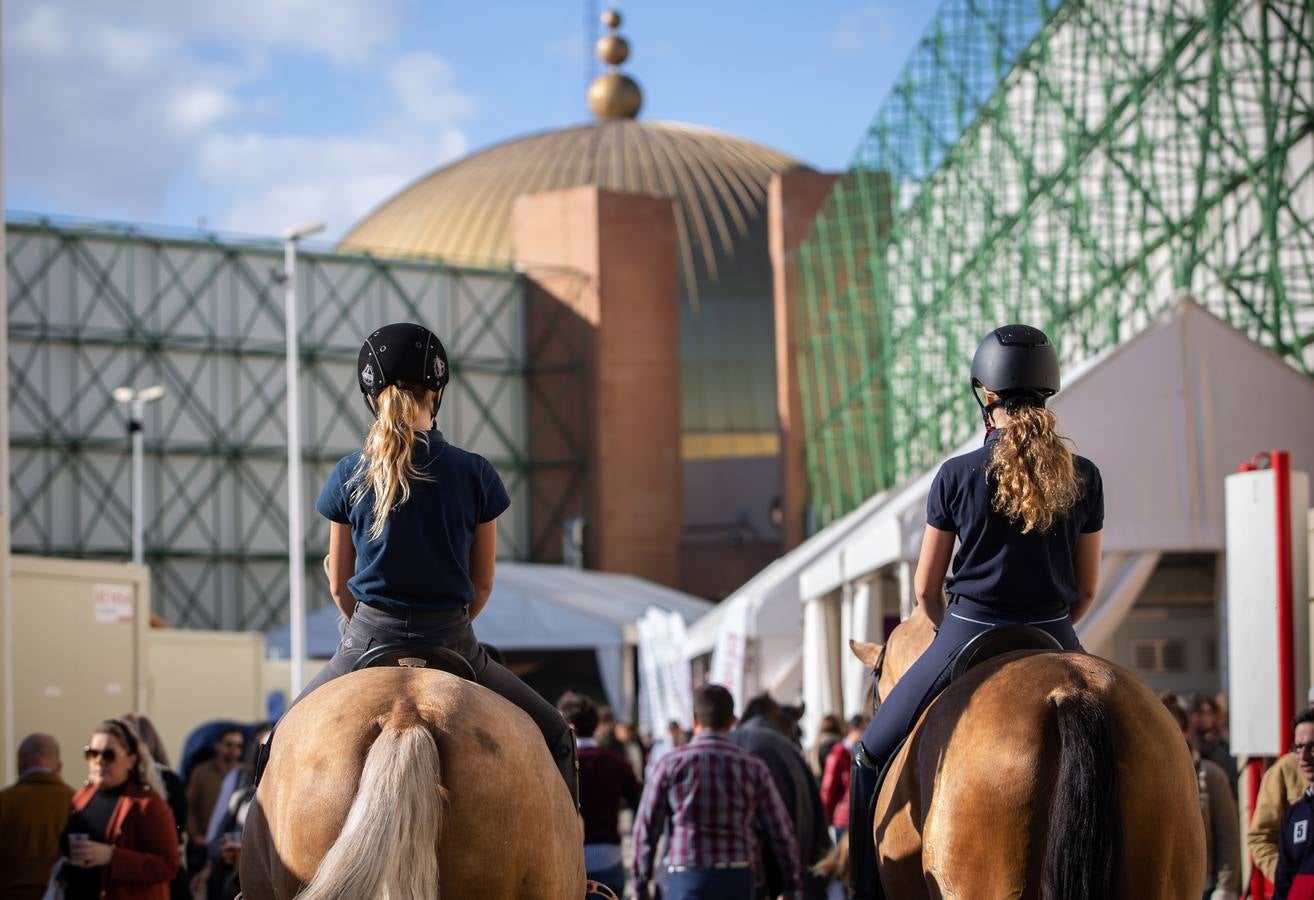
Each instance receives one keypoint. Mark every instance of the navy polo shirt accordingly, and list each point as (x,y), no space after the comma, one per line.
(996,564)
(422,559)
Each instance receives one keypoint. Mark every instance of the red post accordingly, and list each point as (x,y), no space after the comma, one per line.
(1286,602)
(1259,888)
(1280,462)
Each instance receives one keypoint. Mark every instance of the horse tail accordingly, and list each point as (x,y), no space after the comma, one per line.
(387,844)
(1083,853)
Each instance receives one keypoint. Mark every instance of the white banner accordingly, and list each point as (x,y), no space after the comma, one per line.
(667,694)
(730,655)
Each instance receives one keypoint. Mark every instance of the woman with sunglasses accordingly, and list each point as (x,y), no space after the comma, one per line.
(120,842)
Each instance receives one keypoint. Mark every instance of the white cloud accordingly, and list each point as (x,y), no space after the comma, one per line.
(198,108)
(869,27)
(275,180)
(426,87)
(110,106)
(102,115)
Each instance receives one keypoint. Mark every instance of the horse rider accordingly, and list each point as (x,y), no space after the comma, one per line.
(413,530)
(1027,514)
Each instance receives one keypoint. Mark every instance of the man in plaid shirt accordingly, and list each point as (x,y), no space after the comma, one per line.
(709,795)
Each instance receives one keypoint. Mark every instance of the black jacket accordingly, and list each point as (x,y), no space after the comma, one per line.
(802,798)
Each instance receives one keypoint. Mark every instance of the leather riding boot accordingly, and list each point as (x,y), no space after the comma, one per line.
(566,755)
(863,780)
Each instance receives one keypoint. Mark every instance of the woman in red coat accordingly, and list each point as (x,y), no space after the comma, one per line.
(120,842)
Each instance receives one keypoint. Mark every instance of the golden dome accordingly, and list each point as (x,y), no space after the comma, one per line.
(462,212)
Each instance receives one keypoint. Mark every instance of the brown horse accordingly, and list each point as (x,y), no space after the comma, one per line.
(392,782)
(1036,775)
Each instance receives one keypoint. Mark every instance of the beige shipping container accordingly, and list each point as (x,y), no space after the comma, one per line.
(80,648)
(84,651)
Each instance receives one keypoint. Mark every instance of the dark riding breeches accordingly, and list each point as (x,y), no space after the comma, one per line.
(963,621)
(370,627)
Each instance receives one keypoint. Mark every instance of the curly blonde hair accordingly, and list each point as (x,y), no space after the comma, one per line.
(386,467)
(1036,483)
(144,772)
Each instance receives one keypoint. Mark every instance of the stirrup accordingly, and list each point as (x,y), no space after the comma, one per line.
(598,889)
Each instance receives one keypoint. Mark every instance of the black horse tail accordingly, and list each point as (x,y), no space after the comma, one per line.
(1083,853)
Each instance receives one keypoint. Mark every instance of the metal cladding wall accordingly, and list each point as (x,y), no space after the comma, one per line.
(91,309)
(1074,165)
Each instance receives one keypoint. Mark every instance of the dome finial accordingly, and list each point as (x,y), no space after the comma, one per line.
(614,95)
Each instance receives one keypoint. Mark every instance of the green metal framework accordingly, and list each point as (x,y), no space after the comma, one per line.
(1075,165)
(94,307)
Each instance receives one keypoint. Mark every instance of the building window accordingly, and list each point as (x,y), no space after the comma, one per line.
(1159,656)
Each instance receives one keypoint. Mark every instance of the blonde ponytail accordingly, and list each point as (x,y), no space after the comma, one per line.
(385,466)
(1036,481)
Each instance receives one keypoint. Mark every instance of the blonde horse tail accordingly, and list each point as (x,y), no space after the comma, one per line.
(387,847)
(1083,853)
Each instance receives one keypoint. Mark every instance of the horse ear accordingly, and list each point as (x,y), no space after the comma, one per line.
(868,653)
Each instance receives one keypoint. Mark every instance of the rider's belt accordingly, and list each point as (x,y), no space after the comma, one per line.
(722,865)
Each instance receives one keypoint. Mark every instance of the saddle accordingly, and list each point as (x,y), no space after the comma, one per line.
(416,657)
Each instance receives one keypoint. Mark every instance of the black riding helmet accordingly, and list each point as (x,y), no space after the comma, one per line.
(404,355)
(1019,365)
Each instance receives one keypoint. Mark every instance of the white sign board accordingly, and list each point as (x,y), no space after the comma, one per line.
(112,603)
(667,690)
(730,654)
(1254,694)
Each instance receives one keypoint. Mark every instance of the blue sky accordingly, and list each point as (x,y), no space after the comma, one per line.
(250,115)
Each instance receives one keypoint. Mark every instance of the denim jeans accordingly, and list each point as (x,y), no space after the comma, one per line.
(709,884)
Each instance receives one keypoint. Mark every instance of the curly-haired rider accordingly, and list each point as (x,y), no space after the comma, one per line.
(1027,515)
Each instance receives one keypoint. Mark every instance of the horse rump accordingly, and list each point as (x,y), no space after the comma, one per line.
(387,846)
(1084,850)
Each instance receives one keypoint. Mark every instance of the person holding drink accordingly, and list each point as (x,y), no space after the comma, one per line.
(120,842)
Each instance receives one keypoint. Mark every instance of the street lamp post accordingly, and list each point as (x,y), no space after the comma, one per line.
(295,529)
(136,402)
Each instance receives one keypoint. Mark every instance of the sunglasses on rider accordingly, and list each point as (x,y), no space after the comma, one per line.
(107,755)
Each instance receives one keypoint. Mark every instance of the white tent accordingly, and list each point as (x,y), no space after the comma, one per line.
(542,607)
(1166,415)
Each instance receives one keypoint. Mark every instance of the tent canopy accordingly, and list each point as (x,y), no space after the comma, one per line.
(542,607)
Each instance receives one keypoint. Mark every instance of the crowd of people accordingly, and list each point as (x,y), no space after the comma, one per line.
(736,807)
(135,829)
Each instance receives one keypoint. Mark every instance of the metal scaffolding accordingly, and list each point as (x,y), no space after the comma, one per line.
(94,308)
(1074,165)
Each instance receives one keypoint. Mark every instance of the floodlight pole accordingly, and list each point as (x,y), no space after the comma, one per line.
(136,402)
(296,550)
(136,409)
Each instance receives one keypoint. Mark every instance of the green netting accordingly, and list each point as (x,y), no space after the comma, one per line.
(1077,166)
(91,308)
